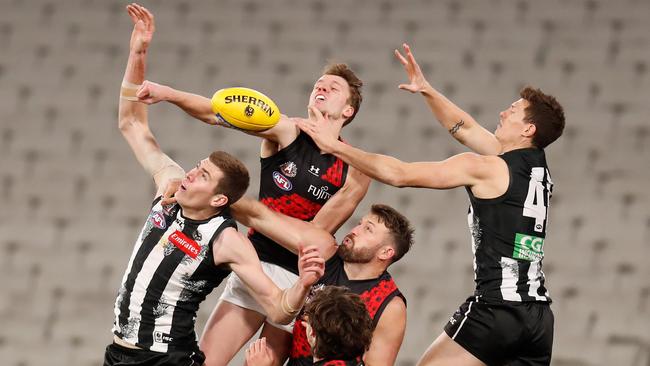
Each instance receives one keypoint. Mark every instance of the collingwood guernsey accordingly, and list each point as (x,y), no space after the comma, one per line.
(508,232)
(171,271)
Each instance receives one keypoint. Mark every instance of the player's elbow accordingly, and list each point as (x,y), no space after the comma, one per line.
(398,177)
(126,124)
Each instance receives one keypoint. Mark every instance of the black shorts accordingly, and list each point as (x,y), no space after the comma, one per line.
(118,355)
(506,333)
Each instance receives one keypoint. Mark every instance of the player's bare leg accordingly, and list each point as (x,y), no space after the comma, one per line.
(444,351)
(227,330)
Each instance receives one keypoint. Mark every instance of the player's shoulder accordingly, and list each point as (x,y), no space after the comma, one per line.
(231,246)
(478,161)
(394,312)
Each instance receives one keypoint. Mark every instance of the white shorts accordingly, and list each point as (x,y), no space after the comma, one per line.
(236,291)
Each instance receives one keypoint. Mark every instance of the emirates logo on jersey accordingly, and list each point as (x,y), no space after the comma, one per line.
(187,245)
(282,182)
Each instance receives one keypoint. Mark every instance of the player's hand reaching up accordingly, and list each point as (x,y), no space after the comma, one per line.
(319,127)
(311,265)
(259,354)
(143,27)
(168,195)
(152,93)
(417,81)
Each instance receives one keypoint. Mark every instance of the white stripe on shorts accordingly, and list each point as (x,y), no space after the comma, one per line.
(463,322)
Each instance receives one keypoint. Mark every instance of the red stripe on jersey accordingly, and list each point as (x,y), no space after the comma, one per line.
(299,345)
(334,174)
(293,205)
(376,295)
(373,300)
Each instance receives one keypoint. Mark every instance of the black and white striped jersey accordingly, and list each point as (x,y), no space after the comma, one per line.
(508,232)
(171,271)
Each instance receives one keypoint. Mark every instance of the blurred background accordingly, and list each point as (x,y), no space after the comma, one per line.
(74,197)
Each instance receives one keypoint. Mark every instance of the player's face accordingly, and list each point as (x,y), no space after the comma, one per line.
(197,189)
(511,121)
(364,240)
(330,95)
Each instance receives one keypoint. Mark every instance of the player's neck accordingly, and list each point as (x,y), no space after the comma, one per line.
(525,144)
(199,214)
(363,271)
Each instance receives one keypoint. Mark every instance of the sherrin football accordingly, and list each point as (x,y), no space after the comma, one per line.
(245,109)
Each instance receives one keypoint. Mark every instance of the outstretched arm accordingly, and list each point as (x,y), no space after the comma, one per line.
(459,123)
(342,204)
(132,120)
(287,231)
(200,107)
(466,169)
(234,249)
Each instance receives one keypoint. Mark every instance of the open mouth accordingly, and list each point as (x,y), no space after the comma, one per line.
(320,98)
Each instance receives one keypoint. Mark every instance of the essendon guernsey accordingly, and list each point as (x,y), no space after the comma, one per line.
(297,181)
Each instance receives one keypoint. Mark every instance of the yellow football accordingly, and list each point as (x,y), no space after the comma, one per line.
(245,109)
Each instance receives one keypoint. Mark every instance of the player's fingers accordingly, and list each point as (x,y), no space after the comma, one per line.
(309,249)
(315,112)
(401,58)
(138,10)
(149,18)
(315,260)
(411,58)
(131,12)
(143,90)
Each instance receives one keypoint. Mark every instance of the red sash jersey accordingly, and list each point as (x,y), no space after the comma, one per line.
(376,293)
(297,181)
(355,362)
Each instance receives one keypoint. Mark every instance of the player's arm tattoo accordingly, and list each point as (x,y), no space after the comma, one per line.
(456,127)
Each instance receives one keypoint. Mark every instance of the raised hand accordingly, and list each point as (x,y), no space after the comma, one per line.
(168,196)
(319,128)
(143,27)
(311,265)
(417,81)
(152,93)
(259,354)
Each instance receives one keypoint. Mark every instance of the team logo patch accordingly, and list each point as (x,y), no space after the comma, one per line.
(290,169)
(187,245)
(528,247)
(314,171)
(248,111)
(282,182)
(160,337)
(197,235)
(158,220)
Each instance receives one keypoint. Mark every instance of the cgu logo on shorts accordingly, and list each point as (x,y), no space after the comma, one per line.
(528,247)
(187,245)
(282,182)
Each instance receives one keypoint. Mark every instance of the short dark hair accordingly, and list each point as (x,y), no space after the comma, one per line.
(344,71)
(545,113)
(235,180)
(398,226)
(341,323)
